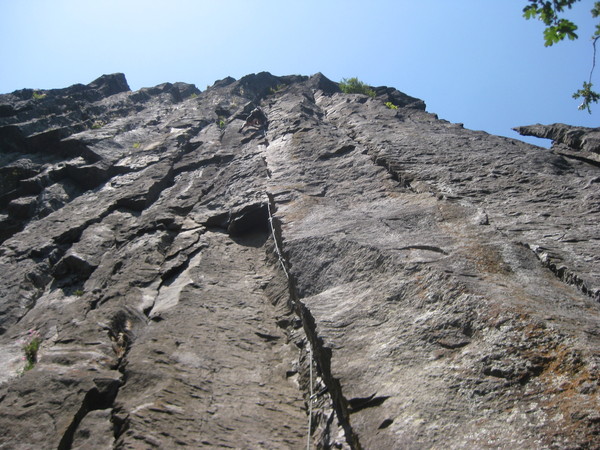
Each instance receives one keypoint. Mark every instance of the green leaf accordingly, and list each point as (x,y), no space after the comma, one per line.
(556,33)
(566,27)
(530,12)
(588,95)
(547,15)
(551,36)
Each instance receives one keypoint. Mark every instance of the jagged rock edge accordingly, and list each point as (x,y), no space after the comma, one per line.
(562,272)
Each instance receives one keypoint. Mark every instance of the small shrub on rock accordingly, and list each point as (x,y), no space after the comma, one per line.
(276,89)
(30,348)
(355,86)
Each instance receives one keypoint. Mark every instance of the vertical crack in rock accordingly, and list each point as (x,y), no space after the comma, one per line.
(99,397)
(320,353)
(102,396)
(220,348)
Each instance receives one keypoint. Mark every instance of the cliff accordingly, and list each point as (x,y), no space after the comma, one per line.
(355,265)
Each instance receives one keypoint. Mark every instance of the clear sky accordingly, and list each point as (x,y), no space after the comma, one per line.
(478,62)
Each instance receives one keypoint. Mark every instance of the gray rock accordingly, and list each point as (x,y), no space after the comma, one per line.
(577,138)
(408,282)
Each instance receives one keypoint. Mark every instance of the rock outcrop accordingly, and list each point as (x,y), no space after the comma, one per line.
(574,142)
(355,274)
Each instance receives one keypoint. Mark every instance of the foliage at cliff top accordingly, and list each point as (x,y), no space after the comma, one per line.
(355,86)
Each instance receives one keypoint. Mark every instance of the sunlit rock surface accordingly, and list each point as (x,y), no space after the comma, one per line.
(407,282)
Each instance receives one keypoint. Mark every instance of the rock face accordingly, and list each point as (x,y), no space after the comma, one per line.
(350,276)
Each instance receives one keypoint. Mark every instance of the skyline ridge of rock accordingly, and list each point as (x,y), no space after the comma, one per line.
(410,282)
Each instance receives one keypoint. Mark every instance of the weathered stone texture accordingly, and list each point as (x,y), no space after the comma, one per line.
(193,285)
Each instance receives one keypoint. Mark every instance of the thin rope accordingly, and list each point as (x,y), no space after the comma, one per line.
(277,250)
(310,398)
(310,371)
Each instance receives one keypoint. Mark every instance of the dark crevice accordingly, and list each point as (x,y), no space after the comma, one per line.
(563,273)
(267,337)
(196,164)
(396,174)
(54,141)
(574,154)
(344,150)
(9,227)
(120,421)
(254,217)
(322,356)
(254,134)
(360,403)
(453,345)
(386,423)
(101,396)
(429,248)
(219,220)
(172,272)
(321,353)
(249,219)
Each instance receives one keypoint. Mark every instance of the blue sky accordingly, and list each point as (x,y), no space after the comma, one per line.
(478,62)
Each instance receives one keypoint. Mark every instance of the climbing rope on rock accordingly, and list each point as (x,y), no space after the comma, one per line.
(283,263)
(277,250)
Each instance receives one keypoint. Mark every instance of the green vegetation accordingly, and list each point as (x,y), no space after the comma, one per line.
(278,88)
(391,105)
(587,95)
(221,122)
(31,348)
(97,124)
(78,292)
(137,145)
(557,29)
(355,86)
(38,95)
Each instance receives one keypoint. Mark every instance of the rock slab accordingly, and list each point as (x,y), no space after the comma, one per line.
(351,275)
